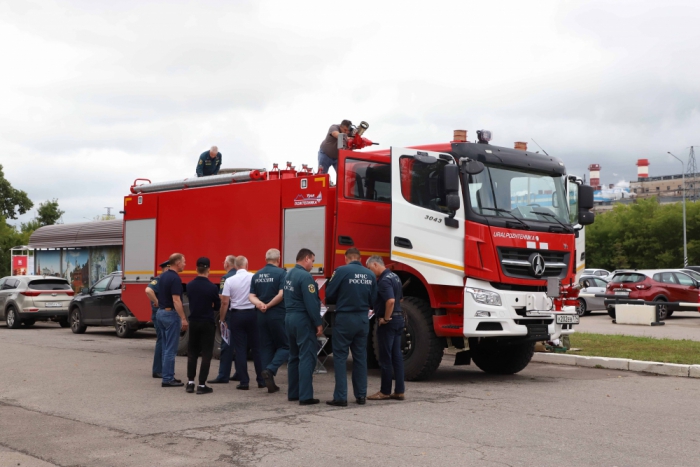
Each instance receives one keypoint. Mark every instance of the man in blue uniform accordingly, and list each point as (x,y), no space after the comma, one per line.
(209,162)
(303,323)
(171,316)
(152,294)
(267,294)
(353,289)
(391,323)
(226,357)
(204,304)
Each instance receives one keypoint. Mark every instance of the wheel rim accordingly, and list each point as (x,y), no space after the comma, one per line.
(121,325)
(75,320)
(581,308)
(662,310)
(11,317)
(407,344)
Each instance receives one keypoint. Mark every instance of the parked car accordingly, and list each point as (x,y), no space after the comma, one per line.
(101,305)
(662,286)
(595,272)
(28,299)
(592,285)
(694,274)
(693,268)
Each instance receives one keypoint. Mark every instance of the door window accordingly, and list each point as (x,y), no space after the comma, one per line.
(665,277)
(116,283)
(684,279)
(101,286)
(10,284)
(367,180)
(422,184)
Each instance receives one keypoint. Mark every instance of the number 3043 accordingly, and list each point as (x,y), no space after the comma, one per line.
(434,219)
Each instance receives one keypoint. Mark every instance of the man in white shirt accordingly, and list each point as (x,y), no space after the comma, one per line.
(239,313)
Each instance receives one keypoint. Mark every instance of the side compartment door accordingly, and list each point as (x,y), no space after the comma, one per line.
(420,234)
(139,250)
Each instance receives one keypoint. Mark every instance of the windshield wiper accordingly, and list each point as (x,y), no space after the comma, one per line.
(549,214)
(525,225)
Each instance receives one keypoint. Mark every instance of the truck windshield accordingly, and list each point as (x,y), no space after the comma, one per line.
(525,195)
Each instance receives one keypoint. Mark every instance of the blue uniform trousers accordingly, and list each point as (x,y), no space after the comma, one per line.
(226,358)
(390,354)
(244,332)
(158,352)
(303,348)
(350,333)
(170,324)
(274,343)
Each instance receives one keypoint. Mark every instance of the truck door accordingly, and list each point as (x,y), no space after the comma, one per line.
(421,235)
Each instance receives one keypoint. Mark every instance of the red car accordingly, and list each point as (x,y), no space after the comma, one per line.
(657,285)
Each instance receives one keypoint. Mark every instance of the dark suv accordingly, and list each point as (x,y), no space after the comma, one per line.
(662,286)
(101,305)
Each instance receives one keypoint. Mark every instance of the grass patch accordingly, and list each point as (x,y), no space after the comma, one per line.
(637,348)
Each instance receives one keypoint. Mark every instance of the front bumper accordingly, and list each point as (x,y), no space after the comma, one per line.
(520,314)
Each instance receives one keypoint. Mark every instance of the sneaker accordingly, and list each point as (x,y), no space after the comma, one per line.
(204,389)
(190,388)
(379,396)
(397,397)
(309,402)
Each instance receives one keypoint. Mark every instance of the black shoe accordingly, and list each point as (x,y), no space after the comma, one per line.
(171,384)
(235,377)
(270,381)
(261,385)
(336,403)
(309,402)
(217,381)
(242,387)
(361,400)
(158,375)
(204,390)
(292,399)
(177,380)
(190,388)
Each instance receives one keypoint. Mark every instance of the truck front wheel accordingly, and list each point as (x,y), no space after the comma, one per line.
(501,359)
(422,349)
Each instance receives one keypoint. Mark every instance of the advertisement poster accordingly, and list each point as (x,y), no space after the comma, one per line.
(48,262)
(19,265)
(75,268)
(104,260)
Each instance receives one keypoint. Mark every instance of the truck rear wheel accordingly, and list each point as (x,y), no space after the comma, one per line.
(501,359)
(423,350)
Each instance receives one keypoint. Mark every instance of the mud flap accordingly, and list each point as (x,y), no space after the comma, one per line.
(463,358)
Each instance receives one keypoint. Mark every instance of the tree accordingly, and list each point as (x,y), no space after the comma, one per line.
(13,202)
(48,213)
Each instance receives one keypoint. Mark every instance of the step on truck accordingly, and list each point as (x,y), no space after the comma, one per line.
(482,237)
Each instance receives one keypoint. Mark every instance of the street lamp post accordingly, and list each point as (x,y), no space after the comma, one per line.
(685,242)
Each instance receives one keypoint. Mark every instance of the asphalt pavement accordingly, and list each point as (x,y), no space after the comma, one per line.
(90,400)
(682,325)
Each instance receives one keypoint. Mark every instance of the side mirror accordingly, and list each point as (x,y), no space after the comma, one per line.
(473,167)
(84,291)
(585,217)
(585,197)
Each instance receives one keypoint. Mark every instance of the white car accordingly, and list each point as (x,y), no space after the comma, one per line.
(591,285)
(595,272)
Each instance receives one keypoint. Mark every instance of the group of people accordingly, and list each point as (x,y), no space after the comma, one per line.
(209,162)
(276,314)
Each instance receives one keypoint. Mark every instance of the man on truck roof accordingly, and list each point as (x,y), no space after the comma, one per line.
(209,162)
(328,152)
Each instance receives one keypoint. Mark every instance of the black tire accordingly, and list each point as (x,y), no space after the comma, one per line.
(661,309)
(76,321)
(670,313)
(185,336)
(581,307)
(502,359)
(121,327)
(63,322)
(28,323)
(423,350)
(372,346)
(611,312)
(12,319)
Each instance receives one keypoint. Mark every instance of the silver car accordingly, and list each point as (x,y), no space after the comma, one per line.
(28,299)
(592,285)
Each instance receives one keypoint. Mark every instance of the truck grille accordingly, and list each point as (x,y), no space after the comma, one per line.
(516,263)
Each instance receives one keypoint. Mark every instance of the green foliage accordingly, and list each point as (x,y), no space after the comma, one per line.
(10,237)
(12,202)
(644,235)
(48,212)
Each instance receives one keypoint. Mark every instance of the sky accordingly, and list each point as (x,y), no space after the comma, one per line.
(96,94)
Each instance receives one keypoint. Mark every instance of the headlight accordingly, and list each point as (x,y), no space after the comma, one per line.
(485,297)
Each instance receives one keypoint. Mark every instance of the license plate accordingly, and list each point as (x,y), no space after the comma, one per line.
(567,319)
(53,305)
(624,293)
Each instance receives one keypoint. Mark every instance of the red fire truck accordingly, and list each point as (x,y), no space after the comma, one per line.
(482,237)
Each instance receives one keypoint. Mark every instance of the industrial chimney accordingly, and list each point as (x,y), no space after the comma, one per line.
(595,175)
(642,169)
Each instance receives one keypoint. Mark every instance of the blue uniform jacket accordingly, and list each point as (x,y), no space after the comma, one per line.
(231,273)
(208,166)
(352,287)
(266,284)
(389,286)
(301,295)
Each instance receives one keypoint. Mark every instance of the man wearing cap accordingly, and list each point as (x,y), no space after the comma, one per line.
(152,294)
(353,289)
(171,316)
(267,294)
(209,162)
(204,303)
(328,152)
(242,322)
(302,319)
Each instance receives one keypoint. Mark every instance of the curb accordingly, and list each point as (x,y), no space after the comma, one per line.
(624,364)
